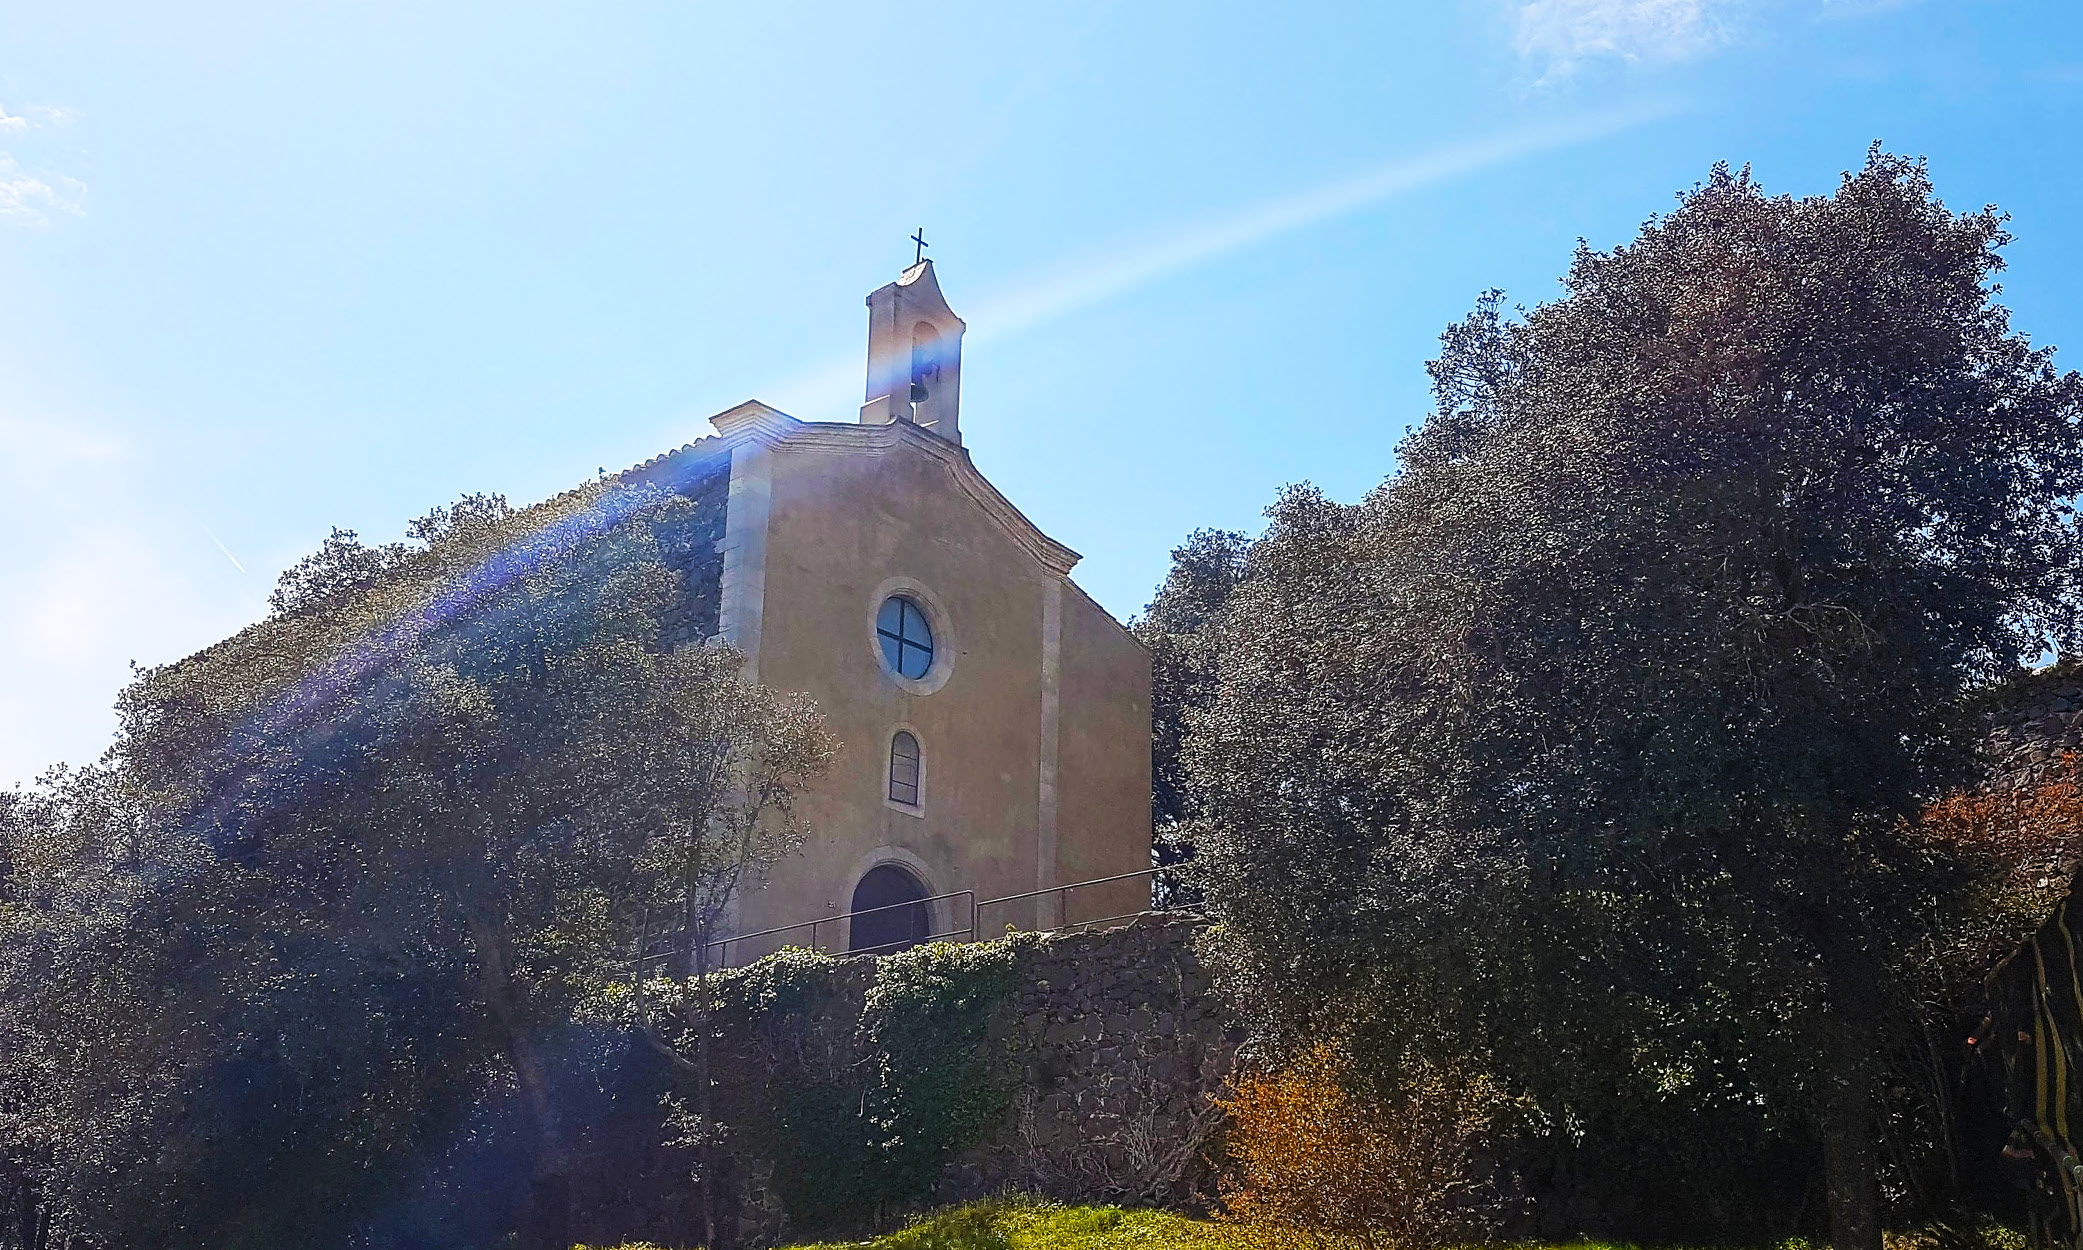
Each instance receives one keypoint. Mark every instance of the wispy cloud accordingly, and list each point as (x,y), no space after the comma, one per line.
(29,198)
(1072,286)
(34,115)
(1566,33)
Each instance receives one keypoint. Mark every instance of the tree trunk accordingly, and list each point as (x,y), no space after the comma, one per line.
(708,1089)
(1851,1157)
(25,1211)
(549,1199)
(1846,1115)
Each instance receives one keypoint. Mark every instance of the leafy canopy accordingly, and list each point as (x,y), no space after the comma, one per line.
(343,877)
(1588,744)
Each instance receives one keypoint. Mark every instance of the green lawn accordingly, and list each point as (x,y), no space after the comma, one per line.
(1016,1224)
(1027,1224)
(1046,1226)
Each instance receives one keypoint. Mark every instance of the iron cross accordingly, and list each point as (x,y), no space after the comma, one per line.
(920,239)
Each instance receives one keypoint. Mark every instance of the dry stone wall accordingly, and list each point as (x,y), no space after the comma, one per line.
(2032,723)
(1103,1056)
(1120,1046)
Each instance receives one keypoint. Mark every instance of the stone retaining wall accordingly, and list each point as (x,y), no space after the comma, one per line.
(1121,1046)
(1110,1049)
(2032,723)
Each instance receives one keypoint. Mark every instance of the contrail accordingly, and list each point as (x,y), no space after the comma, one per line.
(1082,284)
(1132,268)
(226,550)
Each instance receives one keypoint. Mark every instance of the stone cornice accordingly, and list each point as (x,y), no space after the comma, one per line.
(755,422)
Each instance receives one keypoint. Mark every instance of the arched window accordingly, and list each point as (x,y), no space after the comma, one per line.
(925,360)
(907,641)
(904,769)
(895,907)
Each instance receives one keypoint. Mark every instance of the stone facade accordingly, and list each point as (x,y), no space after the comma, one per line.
(1033,723)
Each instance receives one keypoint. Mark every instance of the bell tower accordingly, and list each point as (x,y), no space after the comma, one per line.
(914,355)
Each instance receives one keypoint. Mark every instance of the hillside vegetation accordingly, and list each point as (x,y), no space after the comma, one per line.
(1587,817)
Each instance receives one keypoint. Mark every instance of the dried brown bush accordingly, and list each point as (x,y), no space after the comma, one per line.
(2018,848)
(1321,1160)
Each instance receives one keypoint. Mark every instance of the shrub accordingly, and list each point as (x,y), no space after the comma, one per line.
(1320,1159)
(2018,848)
(856,1080)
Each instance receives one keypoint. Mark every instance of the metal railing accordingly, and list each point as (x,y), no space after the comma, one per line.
(1062,896)
(967,930)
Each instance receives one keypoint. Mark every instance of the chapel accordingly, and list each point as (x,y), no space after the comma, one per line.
(993,721)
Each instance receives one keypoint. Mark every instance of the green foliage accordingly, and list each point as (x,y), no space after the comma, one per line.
(856,1079)
(934,1091)
(344,876)
(1175,626)
(1587,749)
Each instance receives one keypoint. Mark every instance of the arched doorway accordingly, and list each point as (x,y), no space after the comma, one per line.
(898,927)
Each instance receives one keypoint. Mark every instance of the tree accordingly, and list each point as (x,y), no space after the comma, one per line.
(1205,569)
(1593,740)
(347,873)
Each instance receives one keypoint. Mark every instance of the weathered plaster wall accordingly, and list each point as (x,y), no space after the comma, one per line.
(842,525)
(1103,815)
(856,514)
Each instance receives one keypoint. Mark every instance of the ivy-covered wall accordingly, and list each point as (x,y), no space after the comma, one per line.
(850,1090)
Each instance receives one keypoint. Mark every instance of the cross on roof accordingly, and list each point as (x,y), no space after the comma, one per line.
(920,239)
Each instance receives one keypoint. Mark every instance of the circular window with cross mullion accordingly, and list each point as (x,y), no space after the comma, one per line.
(907,640)
(909,632)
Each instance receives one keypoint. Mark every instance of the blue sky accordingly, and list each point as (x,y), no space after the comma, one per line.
(266,269)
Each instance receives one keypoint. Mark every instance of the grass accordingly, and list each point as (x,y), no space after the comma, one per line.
(1030,1224)
(1027,1224)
